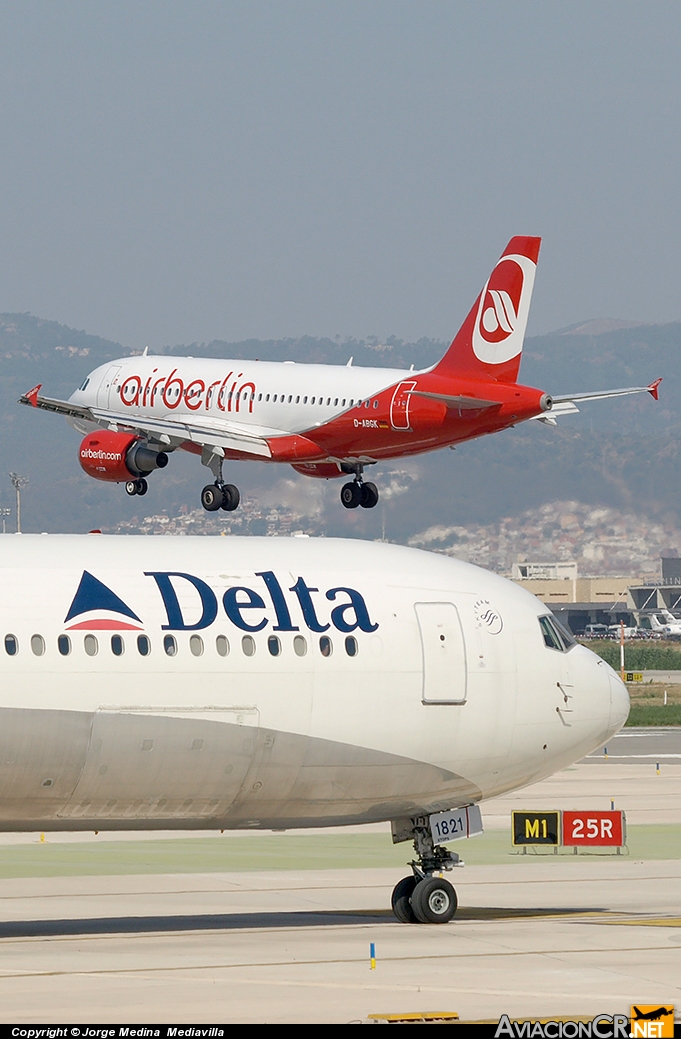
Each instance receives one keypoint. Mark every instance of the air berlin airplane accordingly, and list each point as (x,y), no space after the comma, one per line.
(324,420)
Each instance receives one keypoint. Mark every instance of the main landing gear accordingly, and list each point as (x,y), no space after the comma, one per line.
(218,495)
(136,486)
(424,898)
(358,492)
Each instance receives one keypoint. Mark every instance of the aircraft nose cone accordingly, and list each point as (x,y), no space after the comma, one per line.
(619,703)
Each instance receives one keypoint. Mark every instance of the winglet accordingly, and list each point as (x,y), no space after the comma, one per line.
(652,389)
(32,395)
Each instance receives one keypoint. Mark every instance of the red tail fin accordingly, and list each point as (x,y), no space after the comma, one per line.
(490,340)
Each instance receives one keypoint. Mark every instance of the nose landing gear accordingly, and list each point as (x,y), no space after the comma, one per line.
(424,898)
(358,492)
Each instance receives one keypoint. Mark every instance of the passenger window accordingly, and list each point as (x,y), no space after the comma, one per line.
(300,646)
(335,403)
(551,636)
(117,645)
(375,403)
(90,645)
(304,400)
(196,645)
(64,645)
(290,398)
(248,645)
(222,646)
(297,400)
(325,646)
(351,646)
(11,645)
(343,402)
(274,646)
(37,645)
(143,645)
(170,645)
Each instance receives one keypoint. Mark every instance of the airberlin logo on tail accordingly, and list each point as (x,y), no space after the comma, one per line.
(191,604)
(503,310)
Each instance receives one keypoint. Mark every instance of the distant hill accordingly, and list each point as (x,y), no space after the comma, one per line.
(625,454)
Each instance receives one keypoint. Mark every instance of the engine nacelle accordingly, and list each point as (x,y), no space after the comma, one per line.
(118,457)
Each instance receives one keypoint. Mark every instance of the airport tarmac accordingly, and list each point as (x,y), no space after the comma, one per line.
(536,935)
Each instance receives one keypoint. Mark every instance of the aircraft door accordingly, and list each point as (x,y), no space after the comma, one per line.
(399,406)
(104,391)
(444,653)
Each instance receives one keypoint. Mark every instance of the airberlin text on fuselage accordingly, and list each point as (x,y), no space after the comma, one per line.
(243,606)
(227,394)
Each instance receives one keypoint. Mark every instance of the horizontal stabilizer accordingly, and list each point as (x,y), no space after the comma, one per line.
(566,407)
(652,389)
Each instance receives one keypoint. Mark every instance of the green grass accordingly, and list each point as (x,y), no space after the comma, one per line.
(654,714)
(638,656)
(229,853)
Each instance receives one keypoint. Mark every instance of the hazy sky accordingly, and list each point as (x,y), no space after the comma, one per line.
(179,171)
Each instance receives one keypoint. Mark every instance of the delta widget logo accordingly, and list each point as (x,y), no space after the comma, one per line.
(99,609)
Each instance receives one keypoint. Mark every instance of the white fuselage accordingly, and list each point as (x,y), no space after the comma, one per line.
(263,682)
(265,396)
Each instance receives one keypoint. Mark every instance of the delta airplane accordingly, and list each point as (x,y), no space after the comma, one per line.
(324,420)
(258,683)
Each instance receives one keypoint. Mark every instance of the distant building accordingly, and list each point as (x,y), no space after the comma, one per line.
(545,571)
(671,570)
(578,601)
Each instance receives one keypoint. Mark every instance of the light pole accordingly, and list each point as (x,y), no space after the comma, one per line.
(5,513)
(18,482)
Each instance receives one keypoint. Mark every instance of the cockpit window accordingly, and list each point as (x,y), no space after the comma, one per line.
(555,635)
(566,635)
(85,384)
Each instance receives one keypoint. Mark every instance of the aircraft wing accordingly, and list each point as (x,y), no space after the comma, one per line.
(61,407)
(206,432)
(564,404)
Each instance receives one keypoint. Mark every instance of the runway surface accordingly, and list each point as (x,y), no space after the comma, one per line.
(637,745)
(535,935)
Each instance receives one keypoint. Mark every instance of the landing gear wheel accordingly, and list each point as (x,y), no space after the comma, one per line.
(211,498)
(230,497)
(133,487)
(369,498)
(434,901)
(351,495)
(401,900)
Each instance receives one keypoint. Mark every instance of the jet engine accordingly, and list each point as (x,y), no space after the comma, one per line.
(118,457)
